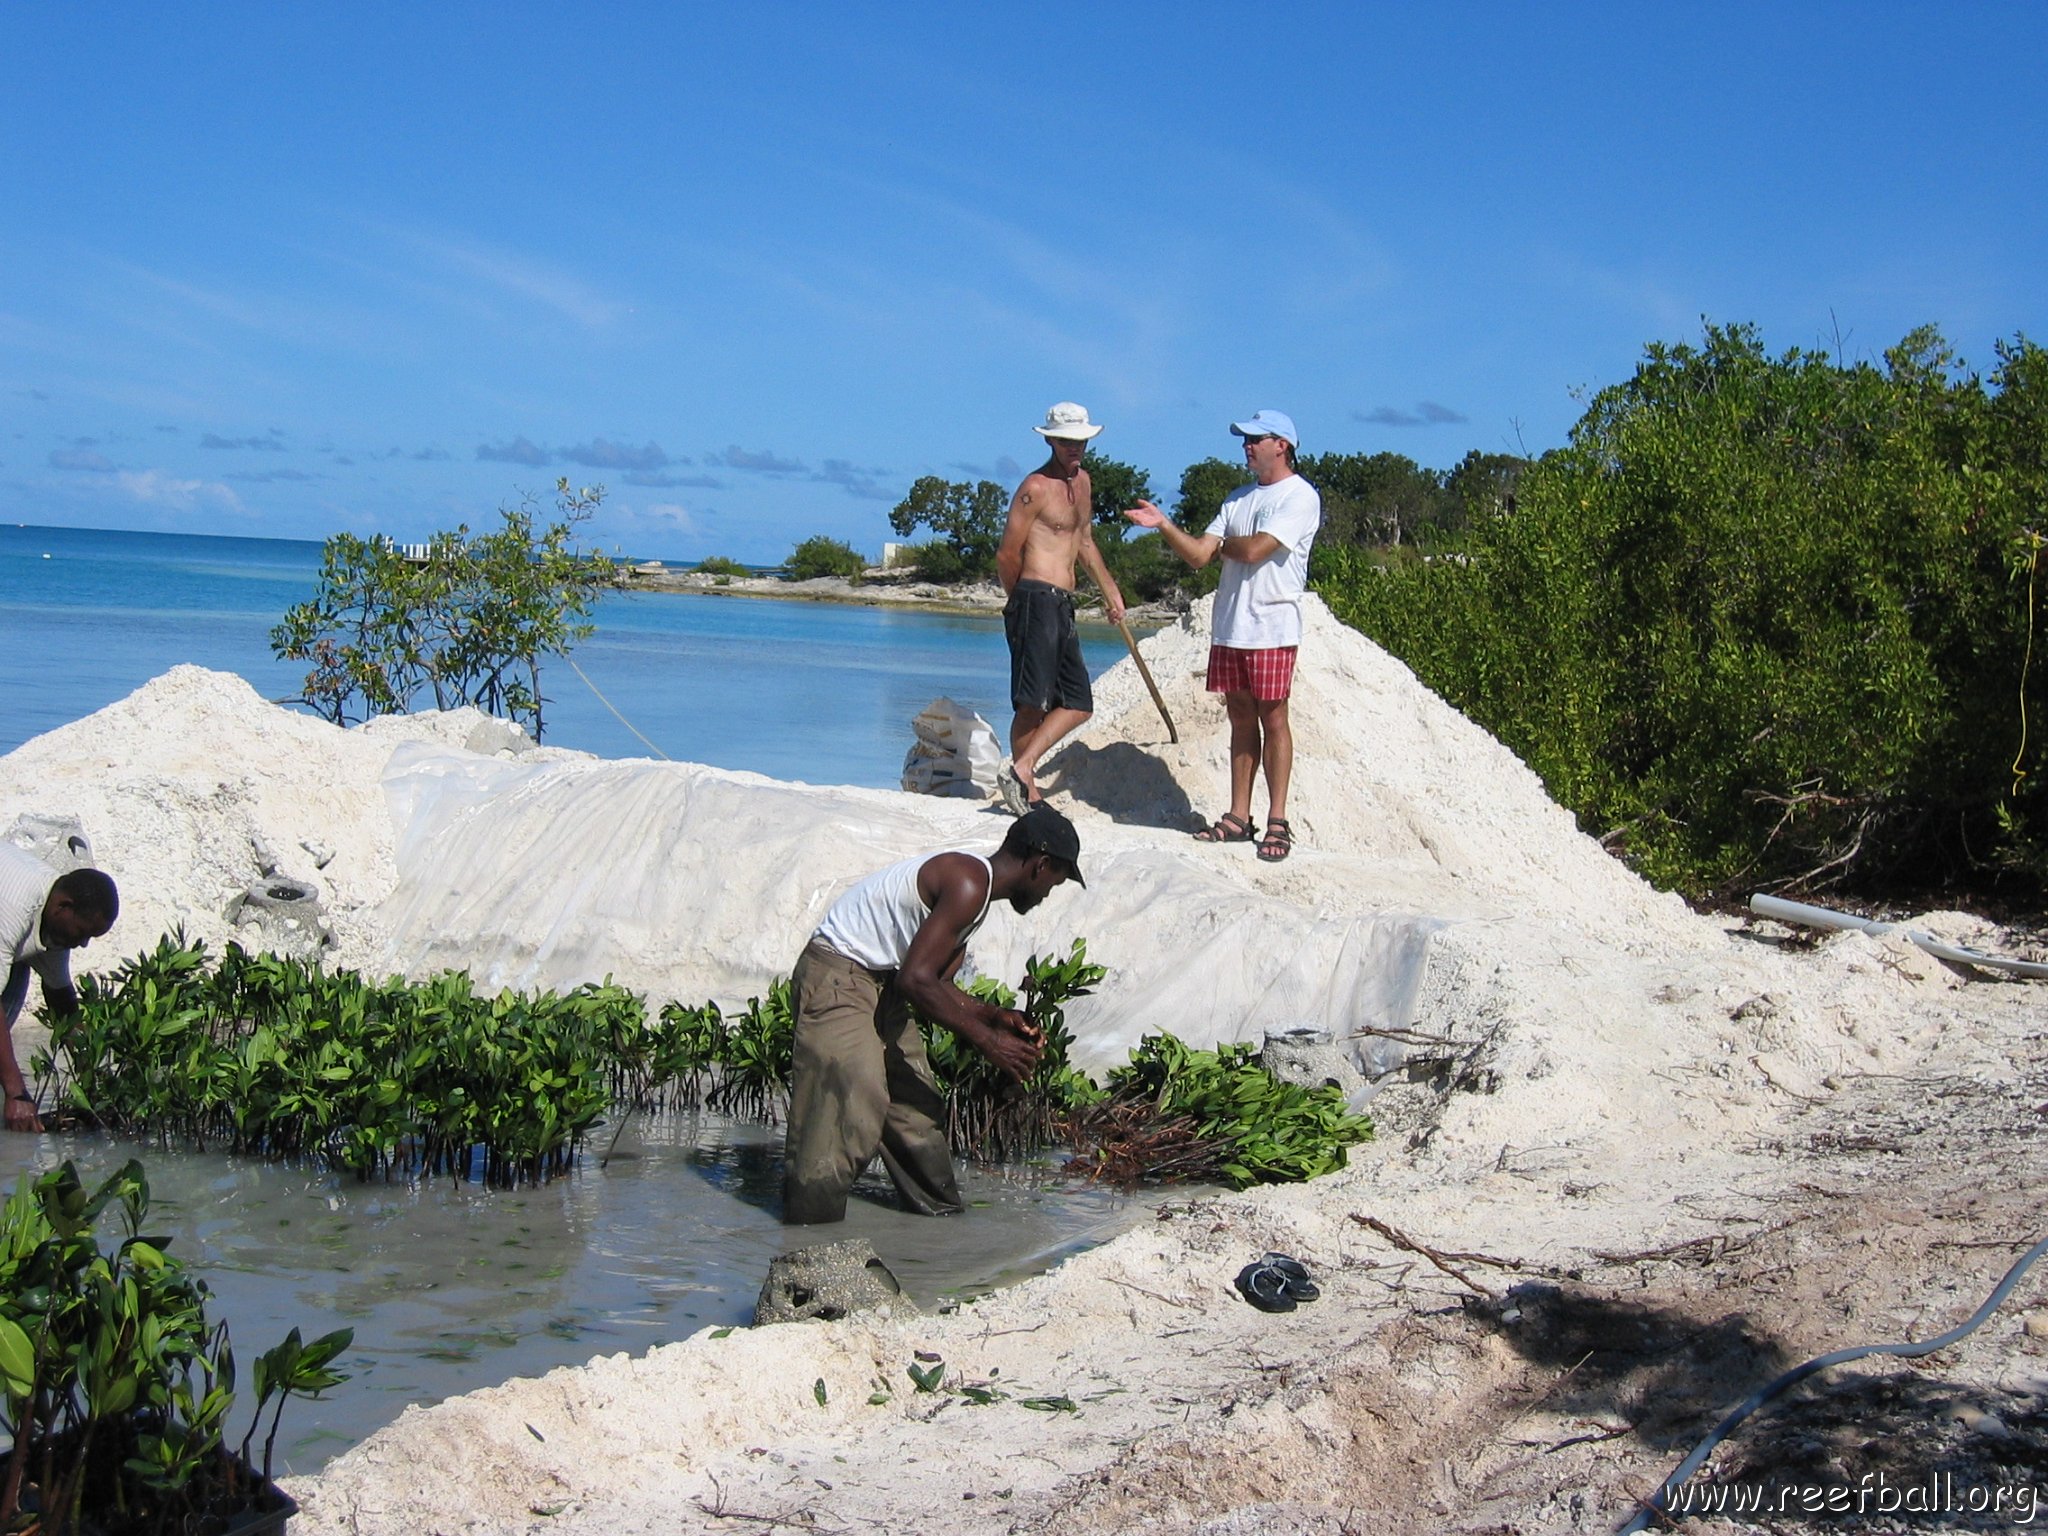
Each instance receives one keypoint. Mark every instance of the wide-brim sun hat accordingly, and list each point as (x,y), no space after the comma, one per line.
(1269,424)
(1070,421)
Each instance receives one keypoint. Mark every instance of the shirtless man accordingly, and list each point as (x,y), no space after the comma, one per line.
(1051,530)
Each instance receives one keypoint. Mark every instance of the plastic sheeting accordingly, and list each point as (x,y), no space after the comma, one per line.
(685,881)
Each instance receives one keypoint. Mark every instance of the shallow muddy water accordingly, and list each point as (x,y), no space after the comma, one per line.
(452,1287)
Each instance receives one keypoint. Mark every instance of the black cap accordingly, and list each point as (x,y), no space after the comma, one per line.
(1045,830)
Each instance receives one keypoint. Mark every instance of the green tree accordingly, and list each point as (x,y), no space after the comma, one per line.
(1374,498)
(969,517)
(1765,620)
(1202,489)
(820,556)
(1482,486)
(469,624)
(1114,485)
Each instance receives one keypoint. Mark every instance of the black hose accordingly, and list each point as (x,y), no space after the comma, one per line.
(1656,1502)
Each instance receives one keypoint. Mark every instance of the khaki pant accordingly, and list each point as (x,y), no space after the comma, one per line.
(859,1084)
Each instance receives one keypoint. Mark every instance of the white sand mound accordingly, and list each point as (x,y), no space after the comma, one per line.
(1597,1063)
(193,788)
(1385,772)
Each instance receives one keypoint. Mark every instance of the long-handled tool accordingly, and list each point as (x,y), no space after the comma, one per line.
(1151,687)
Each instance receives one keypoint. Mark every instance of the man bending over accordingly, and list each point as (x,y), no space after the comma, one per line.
(1051,529)
(43,917)
(859,1081)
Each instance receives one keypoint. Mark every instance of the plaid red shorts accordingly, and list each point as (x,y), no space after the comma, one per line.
(1264,674)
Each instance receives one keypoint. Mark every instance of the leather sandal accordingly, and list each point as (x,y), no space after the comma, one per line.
(1229,828)
(1278,841)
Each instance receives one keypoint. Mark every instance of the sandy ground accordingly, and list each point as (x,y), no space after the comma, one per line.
(1639,1160)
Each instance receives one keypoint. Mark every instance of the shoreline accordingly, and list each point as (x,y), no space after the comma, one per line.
(980,599)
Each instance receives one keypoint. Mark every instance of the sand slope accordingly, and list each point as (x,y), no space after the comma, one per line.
(1598,1072)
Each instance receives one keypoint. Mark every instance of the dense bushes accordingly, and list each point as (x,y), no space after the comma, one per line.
(272,1056)
(820,556)
(936,560)
(1764,620)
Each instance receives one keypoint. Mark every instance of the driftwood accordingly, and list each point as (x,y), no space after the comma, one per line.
(1447,1262)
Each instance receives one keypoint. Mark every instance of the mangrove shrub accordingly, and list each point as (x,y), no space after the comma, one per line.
(284,1059)
(1764,620)
(821,556)
(115,1388)
(467,624)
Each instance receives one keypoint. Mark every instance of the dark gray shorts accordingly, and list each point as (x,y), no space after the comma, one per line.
(1046,669)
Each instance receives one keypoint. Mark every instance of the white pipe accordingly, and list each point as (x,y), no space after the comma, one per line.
(1824,917)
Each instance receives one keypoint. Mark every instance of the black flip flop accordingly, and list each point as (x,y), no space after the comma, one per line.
(1295,1273)
(1265,1288)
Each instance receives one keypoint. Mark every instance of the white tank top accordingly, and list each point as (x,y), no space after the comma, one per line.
(873,924)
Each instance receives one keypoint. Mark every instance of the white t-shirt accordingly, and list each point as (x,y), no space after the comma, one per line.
(1258,606)
(25,882)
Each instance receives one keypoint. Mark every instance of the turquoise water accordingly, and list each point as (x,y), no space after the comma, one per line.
(450,1287)
(817,692)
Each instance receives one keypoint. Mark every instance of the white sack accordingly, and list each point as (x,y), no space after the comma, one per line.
(955,753)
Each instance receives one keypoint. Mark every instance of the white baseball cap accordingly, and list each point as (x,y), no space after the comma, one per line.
(1268,424)
(1068,420)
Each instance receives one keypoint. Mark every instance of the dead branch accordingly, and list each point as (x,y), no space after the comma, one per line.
(1694,1250)
(1442,1261)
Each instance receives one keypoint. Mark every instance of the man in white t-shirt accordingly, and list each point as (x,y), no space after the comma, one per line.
(44,915)
(1263,535)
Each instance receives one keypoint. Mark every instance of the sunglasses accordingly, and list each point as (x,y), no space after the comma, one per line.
(1263,437)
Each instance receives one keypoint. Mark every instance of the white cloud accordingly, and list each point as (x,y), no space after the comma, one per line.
(159,489)
(519,276)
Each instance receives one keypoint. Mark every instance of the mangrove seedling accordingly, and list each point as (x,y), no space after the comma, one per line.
(114,1387)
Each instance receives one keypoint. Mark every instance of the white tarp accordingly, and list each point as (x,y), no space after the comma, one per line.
(686,881)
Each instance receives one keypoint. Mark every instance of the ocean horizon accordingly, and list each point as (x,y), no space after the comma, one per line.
(815,692)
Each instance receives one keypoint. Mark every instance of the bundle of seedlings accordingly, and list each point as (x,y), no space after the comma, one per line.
(1176,1112)
(115,1390)
(1128,1142)
(988,1117)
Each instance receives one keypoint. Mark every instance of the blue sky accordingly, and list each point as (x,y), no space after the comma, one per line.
(280,269)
